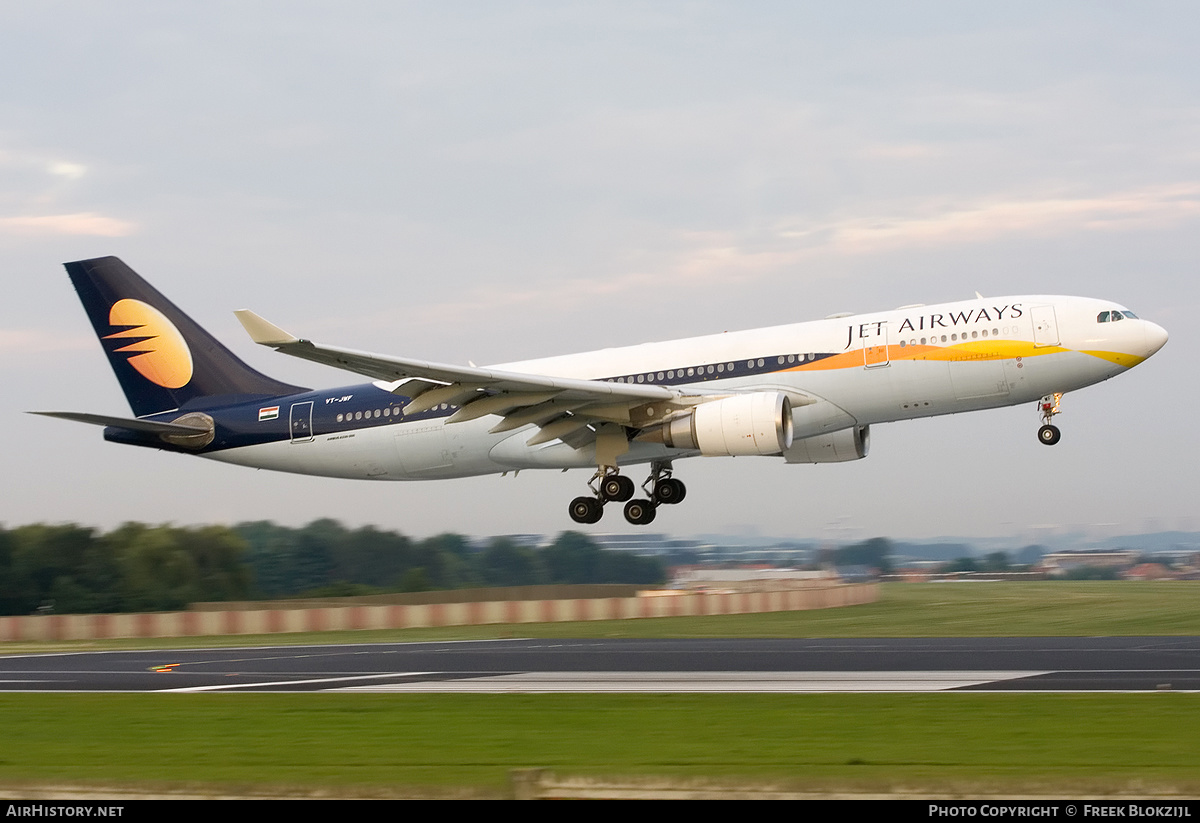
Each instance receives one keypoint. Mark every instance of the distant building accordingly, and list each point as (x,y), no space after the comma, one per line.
(745,578)
(1060,563)
(646,543)
(1149,571)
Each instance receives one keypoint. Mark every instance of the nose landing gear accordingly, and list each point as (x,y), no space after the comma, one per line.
(1049,406)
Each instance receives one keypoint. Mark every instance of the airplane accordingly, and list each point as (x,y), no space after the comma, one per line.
(805,393)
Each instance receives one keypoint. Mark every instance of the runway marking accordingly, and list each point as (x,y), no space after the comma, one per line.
(309,682)
(698,682)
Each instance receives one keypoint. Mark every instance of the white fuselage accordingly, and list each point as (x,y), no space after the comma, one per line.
(840,373)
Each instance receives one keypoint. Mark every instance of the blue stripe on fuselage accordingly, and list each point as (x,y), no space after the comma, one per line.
(247,421)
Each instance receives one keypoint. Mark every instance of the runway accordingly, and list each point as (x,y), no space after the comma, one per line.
(1059,664)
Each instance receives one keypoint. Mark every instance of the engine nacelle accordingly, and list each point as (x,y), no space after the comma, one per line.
(745,424)
(836,447)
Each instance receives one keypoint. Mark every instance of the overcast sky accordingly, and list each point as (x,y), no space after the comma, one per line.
(499,181)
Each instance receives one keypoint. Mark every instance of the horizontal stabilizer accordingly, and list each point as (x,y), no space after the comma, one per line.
(131,424)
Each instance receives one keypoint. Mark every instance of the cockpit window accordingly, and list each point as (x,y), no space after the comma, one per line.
(1115,315)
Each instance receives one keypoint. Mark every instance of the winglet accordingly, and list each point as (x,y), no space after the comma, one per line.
(261,331)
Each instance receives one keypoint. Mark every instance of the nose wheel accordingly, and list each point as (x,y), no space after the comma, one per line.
(1049,405)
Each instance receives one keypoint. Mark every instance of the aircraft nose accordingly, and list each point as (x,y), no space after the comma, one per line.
(1156,338)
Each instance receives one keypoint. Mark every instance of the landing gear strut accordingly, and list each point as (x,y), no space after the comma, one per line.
(616,488)
(662,490)
(1049,406)
(608,486)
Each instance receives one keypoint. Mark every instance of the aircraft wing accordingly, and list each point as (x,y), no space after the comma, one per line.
(561,406)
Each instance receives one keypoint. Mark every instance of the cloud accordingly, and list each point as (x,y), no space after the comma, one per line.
(87,224)
(1143,208)
(20,343)
(690,260)
(67,170)
(760,253)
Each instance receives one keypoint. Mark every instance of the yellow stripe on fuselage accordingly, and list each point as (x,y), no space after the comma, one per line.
(959,352)
(973,350)
(1118,358)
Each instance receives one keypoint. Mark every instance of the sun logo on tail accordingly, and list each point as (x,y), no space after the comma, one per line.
(156,348)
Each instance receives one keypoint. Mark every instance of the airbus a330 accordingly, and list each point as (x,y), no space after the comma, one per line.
(803,393)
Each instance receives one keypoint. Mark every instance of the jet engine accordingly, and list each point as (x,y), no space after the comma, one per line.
(745,424)
(835,447)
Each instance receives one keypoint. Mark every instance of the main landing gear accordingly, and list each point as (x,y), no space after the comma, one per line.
(610,487)
(1049,406)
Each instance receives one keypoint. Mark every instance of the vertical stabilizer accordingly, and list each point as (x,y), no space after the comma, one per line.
(163,359)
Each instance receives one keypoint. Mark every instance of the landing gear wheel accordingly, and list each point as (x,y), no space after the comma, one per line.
(639,512)
(586,510)
(1049,406)
(616,488)
(669,491)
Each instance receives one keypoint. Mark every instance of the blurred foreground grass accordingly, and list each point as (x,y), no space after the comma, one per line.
(376,745)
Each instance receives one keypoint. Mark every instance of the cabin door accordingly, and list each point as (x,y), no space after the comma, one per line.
(1045,327)
(300,422)
(875,349)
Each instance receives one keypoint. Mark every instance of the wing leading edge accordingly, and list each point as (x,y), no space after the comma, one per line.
(562,407)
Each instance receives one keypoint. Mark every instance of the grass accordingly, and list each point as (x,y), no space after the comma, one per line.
(373,745)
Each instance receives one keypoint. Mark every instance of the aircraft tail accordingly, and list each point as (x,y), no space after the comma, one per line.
(162,358)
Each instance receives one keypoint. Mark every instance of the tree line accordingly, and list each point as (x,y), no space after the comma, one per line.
(72,569)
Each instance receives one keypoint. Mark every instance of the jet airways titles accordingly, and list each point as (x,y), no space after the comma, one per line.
(934,320)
